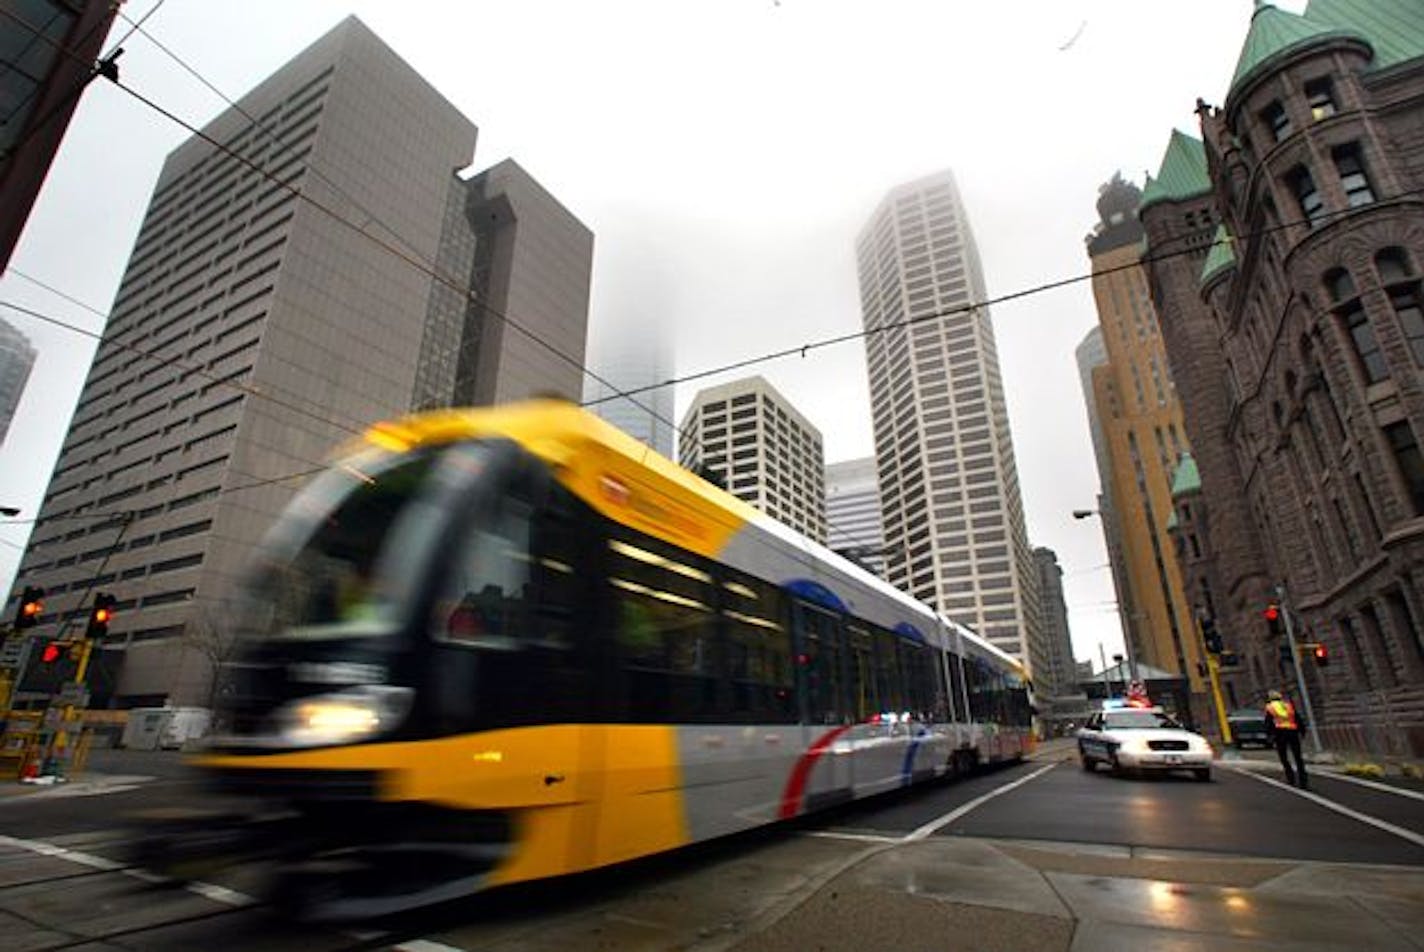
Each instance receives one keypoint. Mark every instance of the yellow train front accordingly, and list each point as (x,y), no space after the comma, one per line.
(499,645)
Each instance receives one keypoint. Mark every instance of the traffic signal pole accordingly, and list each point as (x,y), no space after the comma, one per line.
(1299,674)
(1213,666)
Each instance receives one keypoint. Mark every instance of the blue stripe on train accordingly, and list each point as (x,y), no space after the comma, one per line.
(907,769)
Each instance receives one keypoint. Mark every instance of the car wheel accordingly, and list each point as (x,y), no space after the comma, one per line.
(1203,774)
(1088,764)
(1114,765)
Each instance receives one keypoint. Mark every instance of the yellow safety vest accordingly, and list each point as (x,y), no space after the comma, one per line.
(1282,715)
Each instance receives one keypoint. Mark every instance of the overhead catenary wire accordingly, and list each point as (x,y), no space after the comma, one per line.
(630,394)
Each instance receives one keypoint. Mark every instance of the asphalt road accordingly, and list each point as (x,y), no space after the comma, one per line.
(718,890)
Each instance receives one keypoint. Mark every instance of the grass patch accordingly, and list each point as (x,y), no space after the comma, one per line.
(1368,771)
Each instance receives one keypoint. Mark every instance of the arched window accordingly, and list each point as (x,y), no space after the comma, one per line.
(1393,266)
(1339,285)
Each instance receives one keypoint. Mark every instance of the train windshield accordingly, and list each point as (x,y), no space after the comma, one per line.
(348,549)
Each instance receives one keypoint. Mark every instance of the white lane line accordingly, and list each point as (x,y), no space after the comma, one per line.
(1415,794)
(856,837)
(425,945)
(221,894)
(974,804)
(1329,804)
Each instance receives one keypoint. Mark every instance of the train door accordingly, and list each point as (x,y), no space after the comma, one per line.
(826,712)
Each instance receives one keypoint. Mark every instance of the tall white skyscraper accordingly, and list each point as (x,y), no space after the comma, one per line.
(954,524)
(747,436)
(853,525)
(631,356)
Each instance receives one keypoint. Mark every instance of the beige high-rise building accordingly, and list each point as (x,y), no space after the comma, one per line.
(1141,422)
(750,438)
(954,525)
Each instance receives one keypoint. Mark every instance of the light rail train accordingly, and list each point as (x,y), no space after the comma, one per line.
(490,646)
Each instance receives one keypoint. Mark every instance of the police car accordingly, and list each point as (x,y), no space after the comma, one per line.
(1137,736)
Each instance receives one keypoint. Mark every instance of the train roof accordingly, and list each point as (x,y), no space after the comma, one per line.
(632,483)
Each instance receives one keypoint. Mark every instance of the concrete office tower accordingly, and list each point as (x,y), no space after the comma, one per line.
(954,522)
(748,436)
(1058,676)
(521,328)
(1092,354)
(853,524)
(635,352)
(17,358)
(45,58)
(1140,417)
(276,332)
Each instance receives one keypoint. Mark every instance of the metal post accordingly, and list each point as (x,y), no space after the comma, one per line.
(1213,669)
(1107,686)
(1299,674)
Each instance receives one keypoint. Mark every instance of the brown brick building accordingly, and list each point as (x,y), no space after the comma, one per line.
(1285,251)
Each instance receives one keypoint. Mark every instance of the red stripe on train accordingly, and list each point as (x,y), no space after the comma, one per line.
(795,790)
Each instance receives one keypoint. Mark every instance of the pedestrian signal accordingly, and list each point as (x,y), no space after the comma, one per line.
(27,612)
(1321,655)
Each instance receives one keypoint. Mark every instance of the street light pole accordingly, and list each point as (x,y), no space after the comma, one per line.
(1124,596)
(1299,674)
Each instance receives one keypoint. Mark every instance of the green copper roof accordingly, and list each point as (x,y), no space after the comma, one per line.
(1222,254)
(1187,480)
(1274,31)
(1183,172)
(1395,28)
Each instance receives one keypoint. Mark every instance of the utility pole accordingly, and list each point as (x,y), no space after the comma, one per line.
(1299,674)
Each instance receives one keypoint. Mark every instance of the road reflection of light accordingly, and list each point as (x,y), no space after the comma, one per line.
(1237,902)
(1163,896)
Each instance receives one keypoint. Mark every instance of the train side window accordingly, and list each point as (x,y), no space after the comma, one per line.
(819,659)
(762,688)
(891,692)
(665,627)
(862,673)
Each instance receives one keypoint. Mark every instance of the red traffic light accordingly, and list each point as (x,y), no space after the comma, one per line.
(102,615)
(1272,612)
(51,653)
(1321,655)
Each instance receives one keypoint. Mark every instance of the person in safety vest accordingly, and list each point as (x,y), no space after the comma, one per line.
(1284,727)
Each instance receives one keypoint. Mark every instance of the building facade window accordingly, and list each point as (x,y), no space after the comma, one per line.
(1277,120)
(1320,97)
(1352,176)
(1409,462)
(1351,313)
(1402,285)
(1302,186)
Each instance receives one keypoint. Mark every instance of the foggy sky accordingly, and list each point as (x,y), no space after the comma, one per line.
(725,153)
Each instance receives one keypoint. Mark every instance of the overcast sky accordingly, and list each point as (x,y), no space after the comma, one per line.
(725,153)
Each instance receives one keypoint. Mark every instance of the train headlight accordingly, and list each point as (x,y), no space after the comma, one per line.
(343,716)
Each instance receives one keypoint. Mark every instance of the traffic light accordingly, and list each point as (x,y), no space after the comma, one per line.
(100,615)
(27,612)
(1210,636)
(51,652)
(1272,615)
(1321,654)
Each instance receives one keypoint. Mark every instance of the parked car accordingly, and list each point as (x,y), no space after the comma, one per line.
(1248,727)
(1142,738)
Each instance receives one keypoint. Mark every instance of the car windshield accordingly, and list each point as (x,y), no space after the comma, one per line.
(1138,720)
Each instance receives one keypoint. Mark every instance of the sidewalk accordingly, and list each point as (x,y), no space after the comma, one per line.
(987,895)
